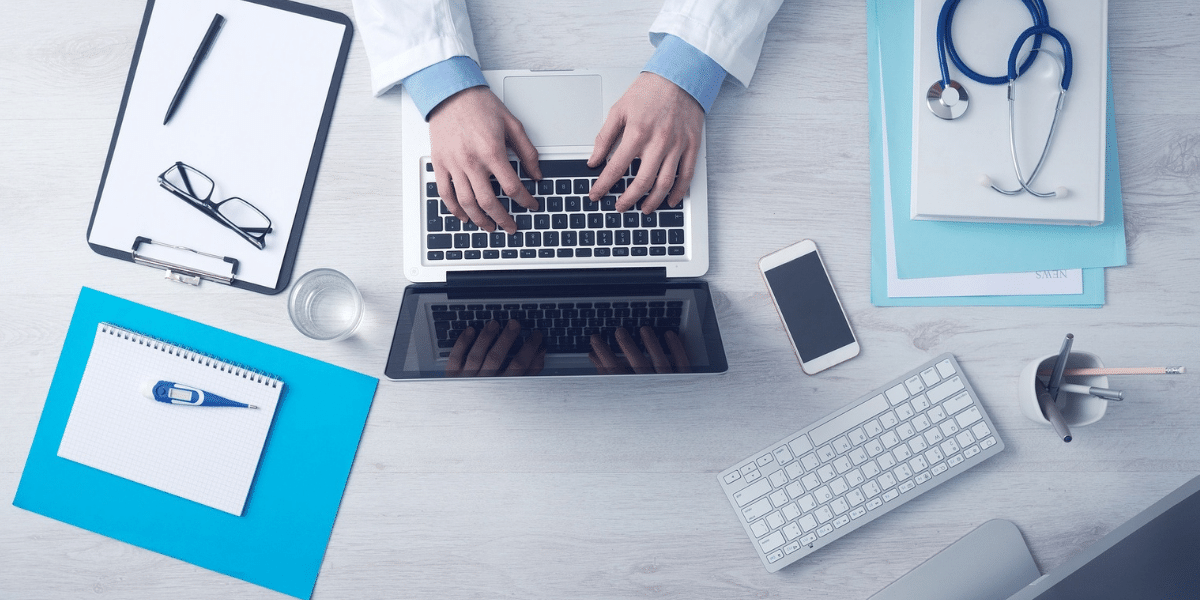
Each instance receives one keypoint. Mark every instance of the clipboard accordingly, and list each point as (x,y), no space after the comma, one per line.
(255,119)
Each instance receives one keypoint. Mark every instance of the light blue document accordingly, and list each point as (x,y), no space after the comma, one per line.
(280,539)
(888,19)
(942,248)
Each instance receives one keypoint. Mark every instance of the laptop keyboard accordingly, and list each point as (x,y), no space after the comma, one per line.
(798,495)
(566,225)
(567,327)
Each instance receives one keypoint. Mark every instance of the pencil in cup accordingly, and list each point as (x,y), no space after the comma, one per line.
(1093,371)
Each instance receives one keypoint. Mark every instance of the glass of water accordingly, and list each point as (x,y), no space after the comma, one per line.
(325,305)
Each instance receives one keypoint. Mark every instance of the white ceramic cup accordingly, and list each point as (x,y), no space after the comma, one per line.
(1077,409)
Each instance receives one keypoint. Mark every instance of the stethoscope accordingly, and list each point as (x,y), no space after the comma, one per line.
(949,106)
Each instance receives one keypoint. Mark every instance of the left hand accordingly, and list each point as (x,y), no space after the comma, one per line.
(660,123)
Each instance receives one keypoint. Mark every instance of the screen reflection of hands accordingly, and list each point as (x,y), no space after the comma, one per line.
(607,363)
(483,353)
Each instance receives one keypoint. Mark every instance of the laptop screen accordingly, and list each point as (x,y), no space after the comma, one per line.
(457,330)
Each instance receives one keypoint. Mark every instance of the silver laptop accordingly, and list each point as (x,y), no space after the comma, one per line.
(562,112)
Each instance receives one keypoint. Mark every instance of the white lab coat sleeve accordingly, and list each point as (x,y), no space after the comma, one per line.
(730,32)
(405,36)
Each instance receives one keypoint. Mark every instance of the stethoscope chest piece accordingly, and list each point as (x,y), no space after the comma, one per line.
(947,104)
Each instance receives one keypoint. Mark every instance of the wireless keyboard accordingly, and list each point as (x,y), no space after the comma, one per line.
(844,471)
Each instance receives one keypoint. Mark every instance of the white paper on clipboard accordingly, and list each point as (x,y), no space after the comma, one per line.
(249,121)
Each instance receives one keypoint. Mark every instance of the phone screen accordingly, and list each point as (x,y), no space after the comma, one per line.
(809,306)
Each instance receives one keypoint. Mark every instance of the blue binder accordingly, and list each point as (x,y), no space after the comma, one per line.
(280,540)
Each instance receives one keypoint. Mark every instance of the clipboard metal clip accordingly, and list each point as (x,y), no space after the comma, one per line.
(183,273)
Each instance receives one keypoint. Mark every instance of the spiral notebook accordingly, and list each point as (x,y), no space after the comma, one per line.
(204,454)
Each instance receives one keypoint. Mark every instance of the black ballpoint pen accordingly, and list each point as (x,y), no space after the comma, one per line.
(213,29)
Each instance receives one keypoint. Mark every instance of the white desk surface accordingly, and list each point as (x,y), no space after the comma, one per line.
(592,488)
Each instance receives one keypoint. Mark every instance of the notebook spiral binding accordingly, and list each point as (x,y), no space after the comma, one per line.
(189,354)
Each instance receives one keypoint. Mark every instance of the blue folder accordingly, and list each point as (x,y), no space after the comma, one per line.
(280,540)
(936,248)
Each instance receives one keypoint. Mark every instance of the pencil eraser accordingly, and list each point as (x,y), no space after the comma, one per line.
(147,389)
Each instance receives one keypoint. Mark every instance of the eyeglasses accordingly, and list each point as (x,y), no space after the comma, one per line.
(194,187)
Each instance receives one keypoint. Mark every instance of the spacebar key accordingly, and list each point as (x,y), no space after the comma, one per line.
(851,418)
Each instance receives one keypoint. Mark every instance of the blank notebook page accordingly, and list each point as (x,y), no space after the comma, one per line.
(207,454)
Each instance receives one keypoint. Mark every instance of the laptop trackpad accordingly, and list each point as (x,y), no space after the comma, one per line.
(557,110)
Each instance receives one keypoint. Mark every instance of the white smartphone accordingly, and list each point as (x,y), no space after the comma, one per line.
(810,310)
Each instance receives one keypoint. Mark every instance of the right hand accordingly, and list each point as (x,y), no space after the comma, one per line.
(468,134)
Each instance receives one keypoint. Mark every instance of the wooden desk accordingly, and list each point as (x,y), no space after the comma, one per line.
(606,489)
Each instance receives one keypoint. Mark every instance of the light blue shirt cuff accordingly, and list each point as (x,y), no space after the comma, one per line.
(433,84)
(685,66)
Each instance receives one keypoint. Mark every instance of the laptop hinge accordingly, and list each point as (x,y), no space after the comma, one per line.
(558,277)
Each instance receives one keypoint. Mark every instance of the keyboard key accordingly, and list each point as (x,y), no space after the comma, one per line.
(569,168)
(957,403)
(757,510)
(930,376)
(670,219)
(439,241)
(897,394)
(759,528)
(583,186)
(435,255)
(945,369)
(944,390)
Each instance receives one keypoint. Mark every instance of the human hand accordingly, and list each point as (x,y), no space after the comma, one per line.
(468,133)
(483,356)
(608,364)
(659,122)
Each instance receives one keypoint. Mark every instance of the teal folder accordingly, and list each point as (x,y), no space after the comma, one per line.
(934,248)
(280,540)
